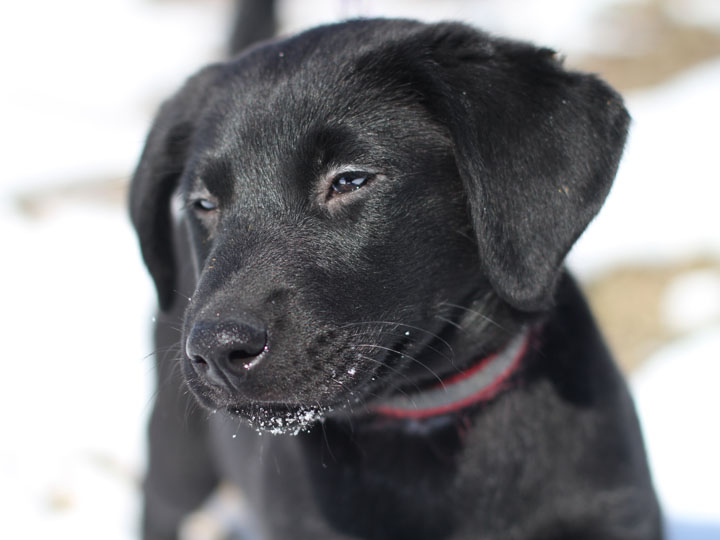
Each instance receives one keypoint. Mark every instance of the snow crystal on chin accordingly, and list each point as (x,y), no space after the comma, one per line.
(292,422)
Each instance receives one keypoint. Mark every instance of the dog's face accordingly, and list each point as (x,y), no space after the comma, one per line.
(360,201)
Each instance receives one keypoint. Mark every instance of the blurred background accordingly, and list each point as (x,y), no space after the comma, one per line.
(81,80)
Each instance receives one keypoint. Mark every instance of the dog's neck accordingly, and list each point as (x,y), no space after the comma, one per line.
(480,382)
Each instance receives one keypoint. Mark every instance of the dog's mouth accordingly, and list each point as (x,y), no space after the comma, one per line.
(336,395)
(365,375)
(332,396)
(338,399)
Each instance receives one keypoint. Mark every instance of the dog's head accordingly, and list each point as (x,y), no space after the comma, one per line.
(360,199)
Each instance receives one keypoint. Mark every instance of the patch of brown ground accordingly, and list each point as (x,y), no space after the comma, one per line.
(40,202)
(627,303)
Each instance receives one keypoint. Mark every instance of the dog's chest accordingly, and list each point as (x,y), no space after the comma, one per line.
(379,484)
(386,482)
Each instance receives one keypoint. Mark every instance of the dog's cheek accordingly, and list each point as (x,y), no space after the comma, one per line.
(199,235)
(399,265)
(429,249)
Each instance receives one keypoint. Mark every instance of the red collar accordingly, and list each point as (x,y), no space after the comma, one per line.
(479,383)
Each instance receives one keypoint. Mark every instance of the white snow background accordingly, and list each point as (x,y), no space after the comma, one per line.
(80,81)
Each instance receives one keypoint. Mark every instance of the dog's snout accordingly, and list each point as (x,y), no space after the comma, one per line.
(225,350)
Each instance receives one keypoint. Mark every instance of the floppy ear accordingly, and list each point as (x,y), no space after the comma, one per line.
(537,148)
(155,179)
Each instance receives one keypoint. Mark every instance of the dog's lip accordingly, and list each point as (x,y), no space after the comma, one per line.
(247,402)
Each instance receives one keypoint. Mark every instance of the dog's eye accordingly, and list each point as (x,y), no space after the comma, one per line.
(350,181)
(204,205)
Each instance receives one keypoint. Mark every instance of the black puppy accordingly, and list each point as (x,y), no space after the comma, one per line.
(370,224)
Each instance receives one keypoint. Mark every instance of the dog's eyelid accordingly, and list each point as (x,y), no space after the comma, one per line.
(202,203)
(348,180)
(205,204)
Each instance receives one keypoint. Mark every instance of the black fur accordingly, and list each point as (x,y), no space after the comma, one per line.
(485,161)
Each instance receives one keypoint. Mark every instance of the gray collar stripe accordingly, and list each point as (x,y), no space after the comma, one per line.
(479,383)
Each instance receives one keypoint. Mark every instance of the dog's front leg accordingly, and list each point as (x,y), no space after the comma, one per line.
(180,472)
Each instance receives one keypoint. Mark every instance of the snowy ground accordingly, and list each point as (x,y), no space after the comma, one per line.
(77,109)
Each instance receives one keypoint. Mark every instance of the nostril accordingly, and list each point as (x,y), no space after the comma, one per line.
(250,346)
(237,356)
(246,360)
(207,370)
(199,361)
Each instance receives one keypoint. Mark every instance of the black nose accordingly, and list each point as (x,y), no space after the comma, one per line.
(224,351)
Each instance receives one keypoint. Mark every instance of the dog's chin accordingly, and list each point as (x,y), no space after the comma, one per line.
(277,418)
(280,419)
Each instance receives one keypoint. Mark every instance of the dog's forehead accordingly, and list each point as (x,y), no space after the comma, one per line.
(296,102)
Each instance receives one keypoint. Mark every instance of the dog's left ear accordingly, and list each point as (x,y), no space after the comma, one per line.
(537,148)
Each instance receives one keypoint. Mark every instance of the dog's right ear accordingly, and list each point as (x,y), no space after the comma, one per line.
(151,189)
(161,165)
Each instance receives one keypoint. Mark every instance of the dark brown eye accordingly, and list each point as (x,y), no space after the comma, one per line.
(350,181)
